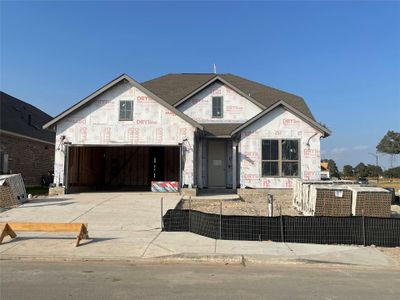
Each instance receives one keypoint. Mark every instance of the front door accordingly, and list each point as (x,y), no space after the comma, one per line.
(216,163)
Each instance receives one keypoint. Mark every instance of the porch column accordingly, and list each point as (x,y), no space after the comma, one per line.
(200,164)
(234,162)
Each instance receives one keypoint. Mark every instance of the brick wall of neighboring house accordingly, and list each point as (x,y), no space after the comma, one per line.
(29,157)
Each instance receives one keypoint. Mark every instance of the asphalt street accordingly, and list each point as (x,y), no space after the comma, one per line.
(105,280)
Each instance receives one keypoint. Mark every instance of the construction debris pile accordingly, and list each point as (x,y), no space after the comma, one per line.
(340,198)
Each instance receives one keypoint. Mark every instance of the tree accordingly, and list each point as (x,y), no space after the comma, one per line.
(333,169)
(374,171)
(361,170)
(392,173)
(390,144)
(348,171)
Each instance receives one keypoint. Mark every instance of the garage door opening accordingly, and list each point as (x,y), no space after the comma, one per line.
(129,168)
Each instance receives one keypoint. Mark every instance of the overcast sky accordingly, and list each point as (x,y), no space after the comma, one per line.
(343,58)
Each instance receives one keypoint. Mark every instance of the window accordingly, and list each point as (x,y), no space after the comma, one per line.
(126,110)
(217,107)
(280,158)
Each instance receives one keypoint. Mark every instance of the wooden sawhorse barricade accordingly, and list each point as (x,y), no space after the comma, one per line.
(10,228)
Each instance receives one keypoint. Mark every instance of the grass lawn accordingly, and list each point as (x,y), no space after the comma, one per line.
(37,190)
(393,183)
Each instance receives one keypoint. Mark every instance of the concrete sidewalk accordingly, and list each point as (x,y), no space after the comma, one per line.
(126,226)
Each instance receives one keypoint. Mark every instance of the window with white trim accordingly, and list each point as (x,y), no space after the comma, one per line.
(217,108)
(126,110)
(280,158)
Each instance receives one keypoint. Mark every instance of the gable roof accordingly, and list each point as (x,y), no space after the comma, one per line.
(17,116)
(290,108)
(123,77)
(175,88)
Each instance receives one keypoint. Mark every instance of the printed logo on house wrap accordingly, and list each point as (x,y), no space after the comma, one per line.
(146,122)
(76,120)
(104,103)
(82,134)
(133,135)
(311,152)
(105,134)
(234,109)
(159,135)
(266,183)
(290,122)
(307,174)
(289,183)
(145,100)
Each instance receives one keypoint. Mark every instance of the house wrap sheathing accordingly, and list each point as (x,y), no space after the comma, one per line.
(173,134)
(98,124)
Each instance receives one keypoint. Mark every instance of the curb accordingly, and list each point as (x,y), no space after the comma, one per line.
(192,258)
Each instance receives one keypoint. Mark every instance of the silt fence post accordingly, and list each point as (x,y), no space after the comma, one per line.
(190,211)
(220,220)
(162,214)
(363,228)
(281,221)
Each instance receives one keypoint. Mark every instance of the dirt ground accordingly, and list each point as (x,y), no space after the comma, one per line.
(237,207)
(249,208)
(392,252)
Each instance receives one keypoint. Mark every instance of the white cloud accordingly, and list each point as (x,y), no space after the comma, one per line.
(338,150)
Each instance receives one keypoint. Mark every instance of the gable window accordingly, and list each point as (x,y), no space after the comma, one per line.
(217,107)
(280,158)
(126,110)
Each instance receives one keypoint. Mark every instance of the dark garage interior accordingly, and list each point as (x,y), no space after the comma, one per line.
(121,167)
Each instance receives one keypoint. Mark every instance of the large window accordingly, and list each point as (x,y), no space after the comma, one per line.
(217,108)
(280,158)
(125,110)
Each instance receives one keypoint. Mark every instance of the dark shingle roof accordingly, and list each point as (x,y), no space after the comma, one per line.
(220,129)
(174,87)
(14,117)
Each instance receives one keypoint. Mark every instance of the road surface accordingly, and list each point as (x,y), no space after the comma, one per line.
(103,280)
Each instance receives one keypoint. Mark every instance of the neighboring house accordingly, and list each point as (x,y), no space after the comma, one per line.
(25,147)
(325,174)
(203,130)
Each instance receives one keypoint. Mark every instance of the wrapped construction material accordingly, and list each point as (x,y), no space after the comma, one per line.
(329,200)
(371,201)
(12,190)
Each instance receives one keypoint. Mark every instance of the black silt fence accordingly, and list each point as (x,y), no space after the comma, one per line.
(318,230)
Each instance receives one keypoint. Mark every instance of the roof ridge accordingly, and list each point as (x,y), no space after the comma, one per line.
(262,84)
(31,106)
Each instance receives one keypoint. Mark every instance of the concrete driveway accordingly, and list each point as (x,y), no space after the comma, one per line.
(120,224)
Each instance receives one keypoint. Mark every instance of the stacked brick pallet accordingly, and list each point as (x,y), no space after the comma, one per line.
(340,198)
(12,190)
(371,201)
(331,200)
(302,190)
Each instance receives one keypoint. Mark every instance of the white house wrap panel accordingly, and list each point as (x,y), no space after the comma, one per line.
(236,108)
(98,124)
(278,124)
